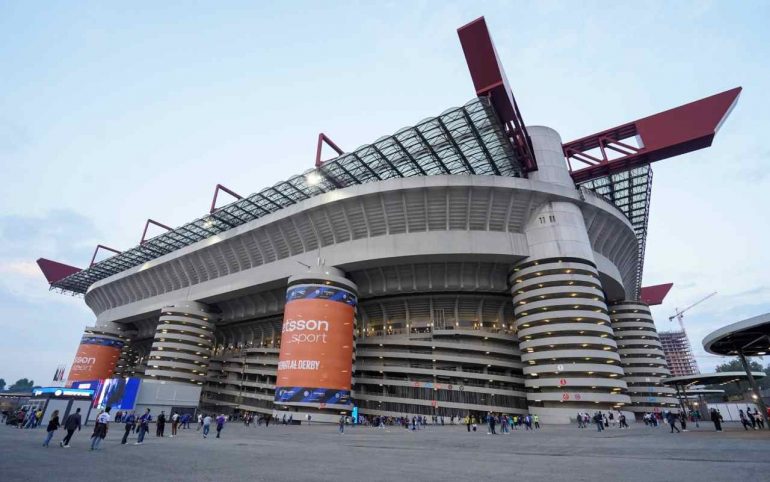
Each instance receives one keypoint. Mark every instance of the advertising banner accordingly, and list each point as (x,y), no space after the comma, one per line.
(96,358)
(316,359)
(118,393)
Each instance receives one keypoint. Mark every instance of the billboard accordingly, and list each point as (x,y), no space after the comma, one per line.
(316,360)
(118,393)
(95,359)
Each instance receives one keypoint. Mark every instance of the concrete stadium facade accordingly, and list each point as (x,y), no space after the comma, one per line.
(479,270)
(477,294)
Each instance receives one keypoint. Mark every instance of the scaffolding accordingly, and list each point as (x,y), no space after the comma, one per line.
(678,352)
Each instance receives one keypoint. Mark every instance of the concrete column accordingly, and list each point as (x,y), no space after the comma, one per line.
(641,354)
(570,357)
(183,341)
(98,354)
(315,365)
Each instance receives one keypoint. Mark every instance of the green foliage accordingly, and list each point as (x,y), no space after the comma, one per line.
(735,365)
(22,384)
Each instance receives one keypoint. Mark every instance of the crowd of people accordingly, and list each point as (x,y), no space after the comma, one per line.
(132,424)
(751,419)
(139,425)
(602,420)
(26,417)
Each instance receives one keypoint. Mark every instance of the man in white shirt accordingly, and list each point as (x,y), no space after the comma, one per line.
(100,429)
(174,423)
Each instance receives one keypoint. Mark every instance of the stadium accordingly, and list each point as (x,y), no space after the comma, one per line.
(464,265)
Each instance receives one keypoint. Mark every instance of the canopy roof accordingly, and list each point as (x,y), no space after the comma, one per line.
(751,336)
(718,378)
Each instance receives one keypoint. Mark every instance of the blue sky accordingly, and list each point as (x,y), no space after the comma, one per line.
(112,113)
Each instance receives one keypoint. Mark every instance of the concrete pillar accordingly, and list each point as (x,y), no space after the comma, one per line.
(641,354)
(183,341)
(570,357)
(98,354)
(315,365)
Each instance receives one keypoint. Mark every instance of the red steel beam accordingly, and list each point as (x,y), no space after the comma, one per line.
(323,139)
(216,193)
(667,134)
(101,246)
(489,80)
(55,271)
(147,225)
(654,295)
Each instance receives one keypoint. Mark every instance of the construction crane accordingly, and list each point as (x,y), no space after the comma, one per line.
(679,315)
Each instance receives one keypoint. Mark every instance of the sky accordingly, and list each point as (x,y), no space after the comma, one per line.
(115,112)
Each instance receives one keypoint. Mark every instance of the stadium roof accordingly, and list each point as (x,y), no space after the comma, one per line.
(463,140)
(487,136)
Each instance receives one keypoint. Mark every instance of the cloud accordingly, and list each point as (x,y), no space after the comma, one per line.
(62,234)
(42,335)
(26,269)
(31,313)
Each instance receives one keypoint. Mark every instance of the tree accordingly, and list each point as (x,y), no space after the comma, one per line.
(22,385)
(735,365)
(2,384)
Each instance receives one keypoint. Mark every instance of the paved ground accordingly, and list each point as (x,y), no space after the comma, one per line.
(444,454)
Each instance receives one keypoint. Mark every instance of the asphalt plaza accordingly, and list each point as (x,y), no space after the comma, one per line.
(319,453)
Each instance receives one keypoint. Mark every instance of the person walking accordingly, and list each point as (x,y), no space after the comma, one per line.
(160,424)
(220,424)
(30,419)
(53,425)
(174,423)
(751,418)
(622,421)
(38,418)
(599,420)
(671,419)
(206,424)
(20,417)
(342,424)
(491,424)
(537,421)
(71,423)
(144,427)
(716,417)
(130,421)
(100,429)
(744,420)
(200,422)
